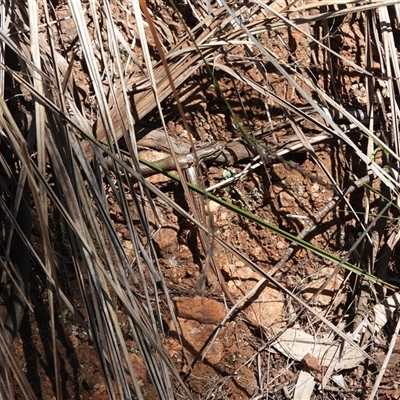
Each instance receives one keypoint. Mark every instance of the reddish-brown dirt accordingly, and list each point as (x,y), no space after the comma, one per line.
(236,360)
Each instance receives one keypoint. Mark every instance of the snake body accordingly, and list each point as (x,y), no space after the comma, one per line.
(200,154)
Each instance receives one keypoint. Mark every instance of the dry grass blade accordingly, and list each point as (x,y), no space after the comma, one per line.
(41,121)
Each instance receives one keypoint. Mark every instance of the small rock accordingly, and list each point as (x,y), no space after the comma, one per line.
(214,207)
(179,129)
(74,341)
(201,309)
(166,238)
(280,244)
(314,188)
(286,199)
(195,336)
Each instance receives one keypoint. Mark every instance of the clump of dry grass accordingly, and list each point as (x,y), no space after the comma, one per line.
(58,156)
